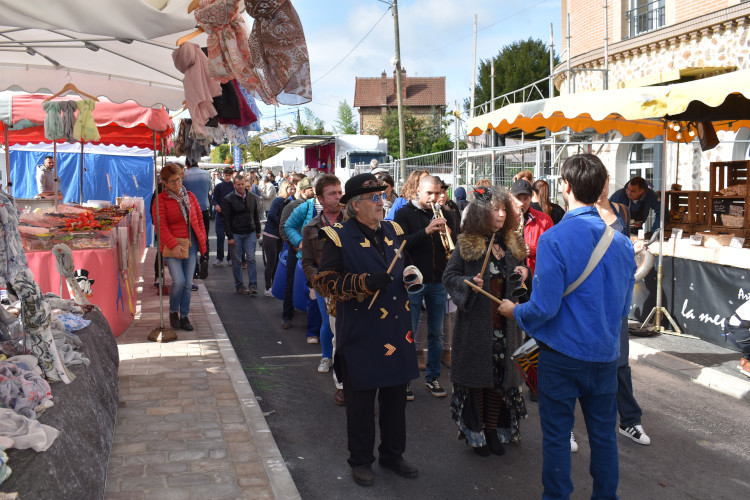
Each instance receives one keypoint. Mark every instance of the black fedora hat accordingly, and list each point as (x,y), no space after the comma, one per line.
(361,184)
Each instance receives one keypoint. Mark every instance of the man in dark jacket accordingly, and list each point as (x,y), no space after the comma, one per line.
(425,247)
(241,213)
(640,200)
(220,191)
(374,346)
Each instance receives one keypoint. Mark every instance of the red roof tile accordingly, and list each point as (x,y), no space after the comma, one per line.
(420,91)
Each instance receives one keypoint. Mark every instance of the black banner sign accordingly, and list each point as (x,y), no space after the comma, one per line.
(700,296)
(721,206)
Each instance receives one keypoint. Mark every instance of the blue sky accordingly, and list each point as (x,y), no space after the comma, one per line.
(436,40)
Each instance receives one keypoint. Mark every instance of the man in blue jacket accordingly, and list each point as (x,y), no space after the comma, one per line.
(640,200)
(578,333)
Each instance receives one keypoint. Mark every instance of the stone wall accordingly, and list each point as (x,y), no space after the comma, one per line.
(371,119)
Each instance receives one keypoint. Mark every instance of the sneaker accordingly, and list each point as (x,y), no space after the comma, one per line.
(636,433)
(243,290)
(338,398)
(325,365)
(313,340)
(194,288)
(744,367)
(156,284)
(253,290)
(409,393)
(573,444)
(218,263)
(435,388)
(268,293)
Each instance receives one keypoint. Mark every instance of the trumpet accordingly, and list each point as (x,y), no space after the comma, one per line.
(445,232)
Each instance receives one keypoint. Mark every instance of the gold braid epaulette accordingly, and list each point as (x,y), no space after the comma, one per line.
(333,235)
(397,228)
(341,286)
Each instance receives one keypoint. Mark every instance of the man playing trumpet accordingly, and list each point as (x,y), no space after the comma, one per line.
(429,252)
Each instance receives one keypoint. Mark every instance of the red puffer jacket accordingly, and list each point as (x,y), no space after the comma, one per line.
(172,225)
(538,223)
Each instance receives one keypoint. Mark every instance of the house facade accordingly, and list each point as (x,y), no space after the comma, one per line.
(651,43)
(374,97)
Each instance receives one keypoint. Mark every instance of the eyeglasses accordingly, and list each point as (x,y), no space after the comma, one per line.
(377,197)
(175,181)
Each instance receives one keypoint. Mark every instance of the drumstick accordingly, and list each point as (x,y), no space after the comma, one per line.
(390,268)
(478,289)
(487,257)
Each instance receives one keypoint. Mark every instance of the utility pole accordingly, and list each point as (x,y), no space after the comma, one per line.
(400,97)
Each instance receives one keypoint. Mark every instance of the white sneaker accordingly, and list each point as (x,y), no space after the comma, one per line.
(325,365)
(573,444)
(636,433)
(217,263)
(312,340)
(268,293)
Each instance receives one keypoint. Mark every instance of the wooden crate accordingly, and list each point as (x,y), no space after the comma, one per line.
(722,176)
(687,207)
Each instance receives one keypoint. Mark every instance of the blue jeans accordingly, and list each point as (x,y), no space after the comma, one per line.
(244,245)
(326,335)
(291,267)
(181,271)
(219,227)
(627,406)
(562,380)
(434,296)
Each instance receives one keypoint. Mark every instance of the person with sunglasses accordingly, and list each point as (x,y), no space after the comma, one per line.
(375,354)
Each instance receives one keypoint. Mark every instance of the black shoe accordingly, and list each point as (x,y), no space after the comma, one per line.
(363,475)
(194,288)
(185,324)
(482,451)
(493,442)
(435,388)
(286,324)
(174,320)
(409,393)
(203,272)
(401,467)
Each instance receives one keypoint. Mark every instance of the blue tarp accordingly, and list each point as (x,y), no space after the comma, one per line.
(120,169)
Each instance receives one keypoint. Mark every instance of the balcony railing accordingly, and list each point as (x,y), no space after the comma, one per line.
(644,18)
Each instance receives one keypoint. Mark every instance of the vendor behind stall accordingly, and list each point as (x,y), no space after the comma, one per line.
(640,200)
(45,179)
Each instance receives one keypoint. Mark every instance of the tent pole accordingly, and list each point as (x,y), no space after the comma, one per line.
(80,194)
(8,183)
(55,180)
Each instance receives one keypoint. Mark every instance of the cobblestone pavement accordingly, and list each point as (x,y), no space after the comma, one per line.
(188,425)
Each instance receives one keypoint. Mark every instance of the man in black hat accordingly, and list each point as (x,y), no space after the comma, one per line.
(533,221)
(374,345)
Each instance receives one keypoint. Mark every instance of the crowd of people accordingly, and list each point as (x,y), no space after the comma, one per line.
(398,283)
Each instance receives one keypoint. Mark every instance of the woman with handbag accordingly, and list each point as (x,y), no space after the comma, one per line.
(182,234)
(487,402)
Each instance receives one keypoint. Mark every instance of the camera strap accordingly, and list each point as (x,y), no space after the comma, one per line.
(596,256)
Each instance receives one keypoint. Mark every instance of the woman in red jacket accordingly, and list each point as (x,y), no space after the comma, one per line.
(179,217)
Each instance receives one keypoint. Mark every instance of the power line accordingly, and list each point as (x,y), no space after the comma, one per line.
(480,29)
(354,48)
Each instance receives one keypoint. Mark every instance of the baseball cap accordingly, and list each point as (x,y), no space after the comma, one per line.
(521,186)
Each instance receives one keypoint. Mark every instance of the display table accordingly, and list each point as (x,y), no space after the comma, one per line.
(112,269)
(700,296)
(84,412)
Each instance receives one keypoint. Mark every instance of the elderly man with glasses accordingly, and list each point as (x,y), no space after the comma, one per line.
(374,345)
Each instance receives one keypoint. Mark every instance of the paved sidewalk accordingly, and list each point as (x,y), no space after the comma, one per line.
(188,425)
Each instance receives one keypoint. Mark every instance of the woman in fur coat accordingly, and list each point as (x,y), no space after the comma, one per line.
(487,401)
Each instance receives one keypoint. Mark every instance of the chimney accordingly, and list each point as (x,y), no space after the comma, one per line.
(384,89)
(403,84)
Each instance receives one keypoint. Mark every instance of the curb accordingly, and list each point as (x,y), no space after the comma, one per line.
(707,377)
(279,478)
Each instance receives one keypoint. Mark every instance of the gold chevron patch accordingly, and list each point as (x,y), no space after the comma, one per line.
(333,235)
(365,244)
(388,242)
(390,348)
(385,313)
(409,337)
(397,228)
(338,224)
(406,305)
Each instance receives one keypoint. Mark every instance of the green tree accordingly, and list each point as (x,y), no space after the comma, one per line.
(422,134)
(345,122)
(220,153)
(256,151)
(309,124)
(516,65)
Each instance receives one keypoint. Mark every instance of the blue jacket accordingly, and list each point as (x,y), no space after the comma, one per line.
(399,203)
(198,182)
(584,325)
(274,216)
(299,219)
(650,201)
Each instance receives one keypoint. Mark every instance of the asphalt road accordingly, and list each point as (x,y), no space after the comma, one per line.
(699,437)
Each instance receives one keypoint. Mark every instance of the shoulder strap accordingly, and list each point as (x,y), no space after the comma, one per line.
(596,256)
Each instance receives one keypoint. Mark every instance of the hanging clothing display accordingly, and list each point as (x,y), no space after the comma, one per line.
(68,109)
(255,126)
(246,113)
(279,52)
(53,125)
(85,126)
(228,50)
(200,88)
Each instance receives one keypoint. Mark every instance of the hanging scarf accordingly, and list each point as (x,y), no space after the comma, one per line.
(85,127)
(68,119)
(183,201)
(53,126)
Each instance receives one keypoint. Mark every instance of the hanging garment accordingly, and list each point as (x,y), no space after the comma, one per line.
(200,88)
(68,109)
(279,52)
(254,126)
(228,50)
(64,265)
(179,142)
(53,126)
(246,113)
(85,127)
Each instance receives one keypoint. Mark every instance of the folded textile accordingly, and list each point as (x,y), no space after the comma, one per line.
(73,323)
(22,390)
(26,433)
(4,469)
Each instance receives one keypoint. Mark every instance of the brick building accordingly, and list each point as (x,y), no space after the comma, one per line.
(651,43)
(373,97)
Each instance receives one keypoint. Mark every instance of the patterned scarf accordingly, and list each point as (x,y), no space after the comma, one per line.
(183,201)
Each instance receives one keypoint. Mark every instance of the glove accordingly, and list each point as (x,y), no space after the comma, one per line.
(378,281)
